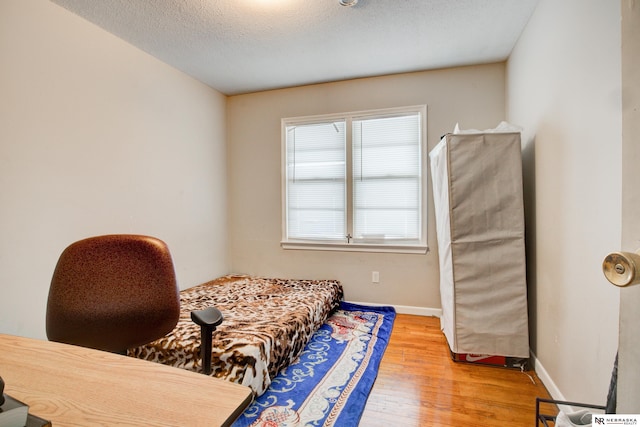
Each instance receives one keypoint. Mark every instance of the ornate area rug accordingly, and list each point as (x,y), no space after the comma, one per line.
(330,382)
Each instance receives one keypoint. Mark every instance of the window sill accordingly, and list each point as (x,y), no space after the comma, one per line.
(355,247)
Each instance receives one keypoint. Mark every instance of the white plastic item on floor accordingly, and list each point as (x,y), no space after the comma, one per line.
(573,419)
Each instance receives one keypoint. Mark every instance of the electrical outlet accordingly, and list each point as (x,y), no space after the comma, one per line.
(375,277)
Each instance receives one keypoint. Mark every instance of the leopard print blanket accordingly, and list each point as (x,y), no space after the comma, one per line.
(267,323)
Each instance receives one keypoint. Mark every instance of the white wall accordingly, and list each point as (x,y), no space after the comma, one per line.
(97,137)
(563,87)
(473,96)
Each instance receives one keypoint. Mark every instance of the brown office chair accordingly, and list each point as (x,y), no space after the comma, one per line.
(112,293)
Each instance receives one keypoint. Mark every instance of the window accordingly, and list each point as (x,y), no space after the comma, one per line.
(355,181)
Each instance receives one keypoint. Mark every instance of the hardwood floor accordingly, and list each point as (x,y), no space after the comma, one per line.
(419,385)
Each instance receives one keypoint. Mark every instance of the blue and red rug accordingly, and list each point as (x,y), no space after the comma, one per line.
(330,383)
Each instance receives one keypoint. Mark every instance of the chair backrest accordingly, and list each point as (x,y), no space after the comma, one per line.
(112,293)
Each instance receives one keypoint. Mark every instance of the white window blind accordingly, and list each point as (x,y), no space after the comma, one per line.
(316,181)
(355,180)
(387,178)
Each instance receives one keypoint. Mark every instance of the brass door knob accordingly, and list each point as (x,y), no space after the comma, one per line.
(622,268)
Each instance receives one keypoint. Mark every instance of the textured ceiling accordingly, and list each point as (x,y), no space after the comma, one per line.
(240,46)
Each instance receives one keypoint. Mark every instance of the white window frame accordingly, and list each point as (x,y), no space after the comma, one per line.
(419,247)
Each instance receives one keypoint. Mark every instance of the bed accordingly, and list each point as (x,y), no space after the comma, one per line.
(267,322)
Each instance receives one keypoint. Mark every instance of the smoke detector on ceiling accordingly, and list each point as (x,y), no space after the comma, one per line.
(348,2)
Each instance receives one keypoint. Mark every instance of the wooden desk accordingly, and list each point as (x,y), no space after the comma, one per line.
(77,386)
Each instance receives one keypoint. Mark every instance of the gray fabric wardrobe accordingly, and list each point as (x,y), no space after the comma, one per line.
(477,191)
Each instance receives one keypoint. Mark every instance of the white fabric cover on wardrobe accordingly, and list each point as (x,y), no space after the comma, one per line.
(477,191)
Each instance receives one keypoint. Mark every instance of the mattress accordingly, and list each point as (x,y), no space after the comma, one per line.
(267,322)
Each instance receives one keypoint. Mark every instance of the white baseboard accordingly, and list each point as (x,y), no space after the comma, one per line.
(551,386)
(407,309)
